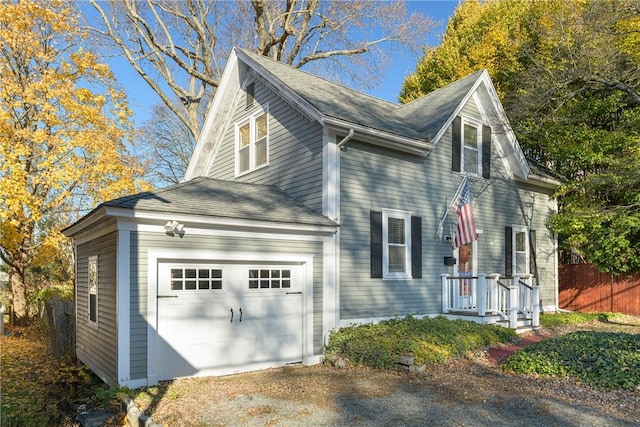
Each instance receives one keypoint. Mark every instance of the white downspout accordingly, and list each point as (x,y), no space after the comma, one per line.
(346,138)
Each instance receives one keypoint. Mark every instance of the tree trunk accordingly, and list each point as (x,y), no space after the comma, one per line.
(19,294)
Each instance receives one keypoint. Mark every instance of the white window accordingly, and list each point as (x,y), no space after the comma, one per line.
(471,146)
(252,143)
(269,278)
(396,244)
(196,278)
(520,255)
(92,281)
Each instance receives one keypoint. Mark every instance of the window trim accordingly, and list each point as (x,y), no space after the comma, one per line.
(251,121)
(478,125)
(406,217)
(514,252)
(92,260)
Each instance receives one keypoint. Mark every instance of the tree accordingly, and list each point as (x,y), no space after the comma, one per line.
(180,47)
(63,136)
(169,145)
(570,79)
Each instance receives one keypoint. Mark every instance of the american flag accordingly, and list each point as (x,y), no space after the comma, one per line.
(466,231)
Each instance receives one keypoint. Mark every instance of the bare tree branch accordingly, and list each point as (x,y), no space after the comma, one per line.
(179,47)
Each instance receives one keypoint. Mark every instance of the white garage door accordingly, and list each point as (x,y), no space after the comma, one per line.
(216,319)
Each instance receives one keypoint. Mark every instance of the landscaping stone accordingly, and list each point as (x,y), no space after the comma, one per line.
(93,418)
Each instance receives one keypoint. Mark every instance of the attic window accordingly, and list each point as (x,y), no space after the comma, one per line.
(471,147)
(250,94)
(252,143)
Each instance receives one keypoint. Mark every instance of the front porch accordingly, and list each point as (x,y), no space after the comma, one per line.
(512,302)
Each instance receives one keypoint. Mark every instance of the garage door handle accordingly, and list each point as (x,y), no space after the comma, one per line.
(232,315)
(241,314)
(294,293)
(167,296)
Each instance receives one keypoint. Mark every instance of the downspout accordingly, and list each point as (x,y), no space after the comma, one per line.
(346,138)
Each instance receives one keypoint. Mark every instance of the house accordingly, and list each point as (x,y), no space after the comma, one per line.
(308,206)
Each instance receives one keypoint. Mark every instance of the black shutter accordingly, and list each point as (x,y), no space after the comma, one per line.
(376,244)
(456,147)
(486,152)
(508,251)
(416,247)
(533,268)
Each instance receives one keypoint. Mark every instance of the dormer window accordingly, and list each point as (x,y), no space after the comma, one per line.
(471,147)
(252,143)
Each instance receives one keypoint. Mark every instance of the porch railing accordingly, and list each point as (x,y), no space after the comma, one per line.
(492,294)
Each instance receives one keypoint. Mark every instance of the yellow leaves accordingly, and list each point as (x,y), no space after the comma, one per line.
(64,127)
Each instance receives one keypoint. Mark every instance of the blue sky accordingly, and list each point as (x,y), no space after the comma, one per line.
(141,97)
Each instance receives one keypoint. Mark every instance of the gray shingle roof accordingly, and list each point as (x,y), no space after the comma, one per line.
(420,119)
(226,199)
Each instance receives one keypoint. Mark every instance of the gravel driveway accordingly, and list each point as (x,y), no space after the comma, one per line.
(467,392)
(464,393)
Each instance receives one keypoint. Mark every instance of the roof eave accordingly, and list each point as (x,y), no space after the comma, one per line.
(227,223)
(380,138)
(539,181)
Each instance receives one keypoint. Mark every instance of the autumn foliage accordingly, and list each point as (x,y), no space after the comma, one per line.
(64,133)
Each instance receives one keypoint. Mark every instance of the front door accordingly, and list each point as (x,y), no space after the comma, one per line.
(466,267)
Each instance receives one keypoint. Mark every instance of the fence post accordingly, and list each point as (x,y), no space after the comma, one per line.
(514,300)
(445,293)
(481,296)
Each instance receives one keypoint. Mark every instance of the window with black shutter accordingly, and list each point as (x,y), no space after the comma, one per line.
(396,244)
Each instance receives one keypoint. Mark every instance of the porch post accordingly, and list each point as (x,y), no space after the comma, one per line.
(514,299)
(445,293)
(535,316)
(492,294)
(481,295)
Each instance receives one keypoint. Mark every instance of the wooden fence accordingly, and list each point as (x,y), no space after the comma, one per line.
(583,288)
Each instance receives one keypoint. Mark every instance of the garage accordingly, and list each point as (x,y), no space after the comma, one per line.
(222,318)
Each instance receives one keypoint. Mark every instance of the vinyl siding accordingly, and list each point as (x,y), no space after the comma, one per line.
(97,346)
(295,149)
(141,243)
(374,178)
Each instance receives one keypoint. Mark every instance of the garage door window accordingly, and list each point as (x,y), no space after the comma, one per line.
(263,278)
(196,279)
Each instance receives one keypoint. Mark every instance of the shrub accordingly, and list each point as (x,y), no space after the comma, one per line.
(604,360)
(429,340)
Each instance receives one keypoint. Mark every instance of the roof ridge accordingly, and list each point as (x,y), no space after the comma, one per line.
(343,86)
(449,85)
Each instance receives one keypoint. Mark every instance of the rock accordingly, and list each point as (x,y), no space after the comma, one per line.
(93,418)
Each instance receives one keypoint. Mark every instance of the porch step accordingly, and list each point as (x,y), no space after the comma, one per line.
(524,325)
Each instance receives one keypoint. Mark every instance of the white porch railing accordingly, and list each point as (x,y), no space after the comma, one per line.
(491,294)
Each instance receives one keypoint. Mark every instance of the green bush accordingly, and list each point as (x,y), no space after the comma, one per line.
(429,341)
(604,360)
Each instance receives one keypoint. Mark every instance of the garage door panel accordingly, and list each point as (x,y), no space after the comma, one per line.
(241,316)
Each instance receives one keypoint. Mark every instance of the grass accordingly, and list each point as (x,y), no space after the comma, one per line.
(574,318)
